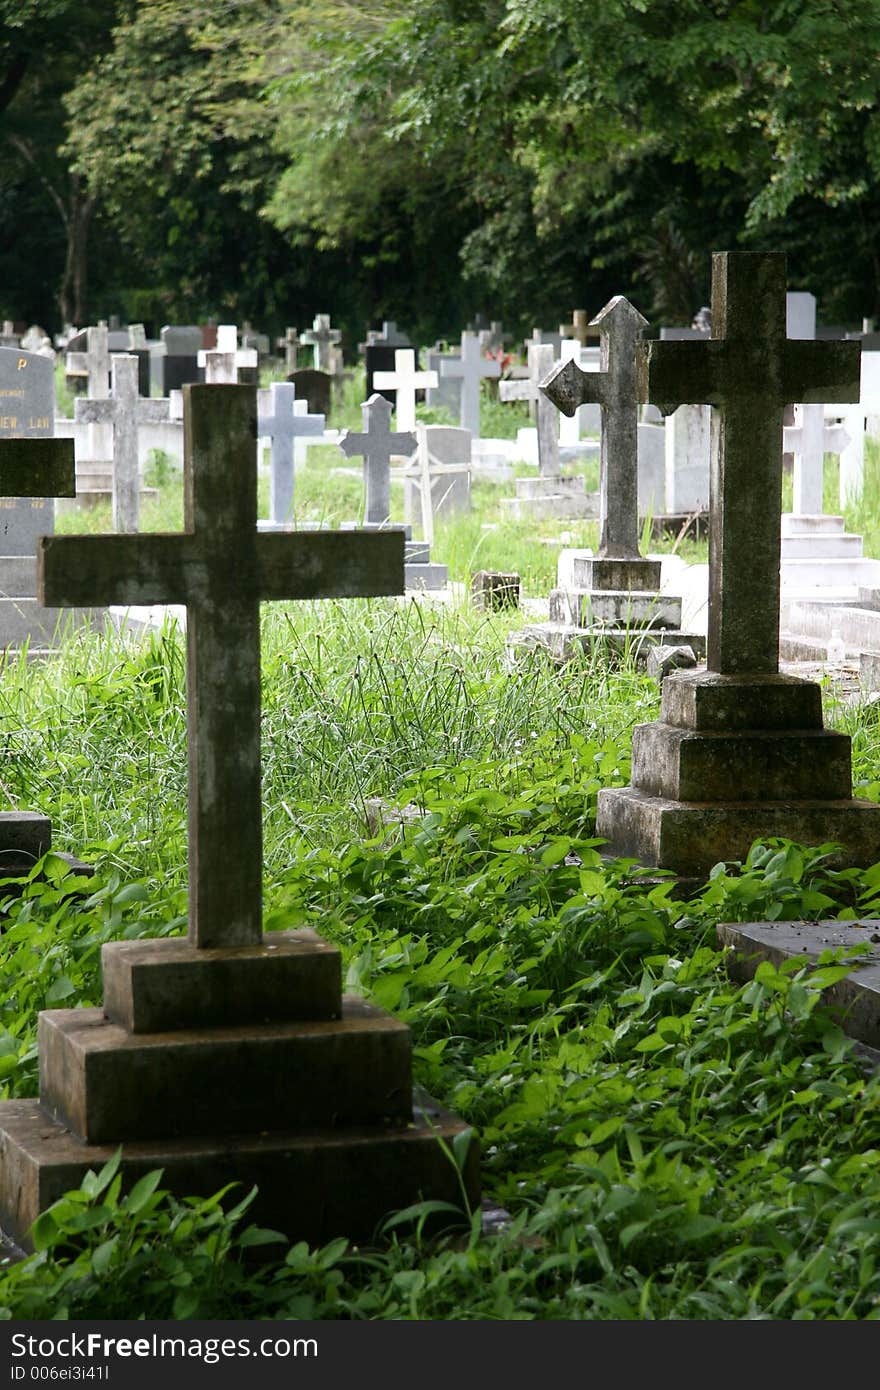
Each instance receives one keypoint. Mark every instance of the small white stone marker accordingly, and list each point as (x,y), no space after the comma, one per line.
(322,338)
(810,438)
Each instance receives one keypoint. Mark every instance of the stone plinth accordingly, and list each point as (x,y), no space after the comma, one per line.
(732,759)
(242,1063)
(564,495)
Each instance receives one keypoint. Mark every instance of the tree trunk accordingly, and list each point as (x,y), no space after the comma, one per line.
(72,300)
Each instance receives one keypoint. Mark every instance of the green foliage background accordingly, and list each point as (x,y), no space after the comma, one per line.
(268,159)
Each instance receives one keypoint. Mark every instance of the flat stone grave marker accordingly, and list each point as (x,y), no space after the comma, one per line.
(315,388)
(228,1056)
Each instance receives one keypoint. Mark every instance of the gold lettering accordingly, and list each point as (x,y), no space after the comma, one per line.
(37,502)
(12,391)
(41,422)
(21,364)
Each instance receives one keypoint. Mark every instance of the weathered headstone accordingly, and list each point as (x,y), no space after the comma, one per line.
(226,363)
(124,410)
(404,381)
(740,750)
(472,368)
(377,444)
(34,469)
(495,590)
(229,1056)
(437,482)
(283,419)
(315,388)
(378,351)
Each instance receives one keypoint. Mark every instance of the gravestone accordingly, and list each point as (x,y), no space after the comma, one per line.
(315,388)
(226,364)
(8,336)
(290,345)
(404,381)
(87,362)
(179,363)
(34,469)
(228,1056)
(740,751)
(495,590)
(437,482)
(617,590)
(283,419)
(124,411)
(546,415)
(376,444)
(378,351)
(471,368)
(446,395)
(322,339)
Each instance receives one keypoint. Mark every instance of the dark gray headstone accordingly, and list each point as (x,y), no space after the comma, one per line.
(314,387)
(379,357)
(27,411)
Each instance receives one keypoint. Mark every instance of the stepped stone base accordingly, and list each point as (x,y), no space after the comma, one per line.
(690,837)
(294,1087)
(609,608)
(25,620)
(425,576)
(563,642)
(733,759)
(313,1185)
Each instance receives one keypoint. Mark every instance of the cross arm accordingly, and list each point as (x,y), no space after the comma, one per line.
(150,412)
(516,390)
(93,412)
(821,372)
(82,571)
(671,374)
(37,468)
(330,564)
(569,386)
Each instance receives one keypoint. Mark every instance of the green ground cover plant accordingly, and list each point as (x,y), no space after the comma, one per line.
(667,1143)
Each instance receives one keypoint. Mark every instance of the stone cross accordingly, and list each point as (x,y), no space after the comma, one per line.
(749,372)
(389,335)
(221,363)
(578,328)
(810,439)
(94,362)
(290,342)
(471,366)
(614,389)
(284,420)
(322,337)
(124,410)
(405,380)
(221,567)
(541,358)
(375,445)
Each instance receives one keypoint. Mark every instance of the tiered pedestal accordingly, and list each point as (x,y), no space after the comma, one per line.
(245,1065)
(560,495)
(613,603)
(732,759)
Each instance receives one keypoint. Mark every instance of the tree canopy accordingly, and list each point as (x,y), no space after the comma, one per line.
(274,158)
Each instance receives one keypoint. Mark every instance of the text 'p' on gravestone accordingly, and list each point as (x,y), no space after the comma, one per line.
(229,1056)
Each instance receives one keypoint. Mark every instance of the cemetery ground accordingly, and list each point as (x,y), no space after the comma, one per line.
(666,1143)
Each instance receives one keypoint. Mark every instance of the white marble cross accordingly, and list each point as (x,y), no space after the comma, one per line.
(810,438)
(471,366)
(283,419)
(405,380)
(124,410)
(221,363)
(856,422)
